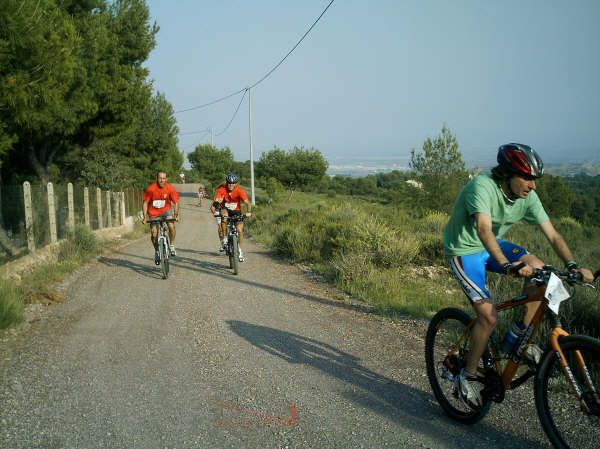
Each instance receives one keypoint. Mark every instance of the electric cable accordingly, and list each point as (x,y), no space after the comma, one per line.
(293,48)
(234,114)
(196,132)
(268,73)
(212,102)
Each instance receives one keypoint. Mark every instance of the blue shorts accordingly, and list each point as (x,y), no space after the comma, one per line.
(470,270)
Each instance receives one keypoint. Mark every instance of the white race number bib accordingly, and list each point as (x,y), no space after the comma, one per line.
(158,204)
(231,206)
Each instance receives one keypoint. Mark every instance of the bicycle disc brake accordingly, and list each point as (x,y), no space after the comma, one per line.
(493,388)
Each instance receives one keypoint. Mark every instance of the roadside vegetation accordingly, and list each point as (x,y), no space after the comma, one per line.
(379,238)
(393,260)
(36,286)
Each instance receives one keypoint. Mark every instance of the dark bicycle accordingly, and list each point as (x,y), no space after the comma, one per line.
(232,249)
(164,244)
(566,381)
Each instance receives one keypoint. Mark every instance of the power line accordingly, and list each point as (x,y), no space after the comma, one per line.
(290,52)
(196,132)
(212,102)
(268,73)
(234,114)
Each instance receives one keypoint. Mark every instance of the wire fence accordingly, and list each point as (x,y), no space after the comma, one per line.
(34,215)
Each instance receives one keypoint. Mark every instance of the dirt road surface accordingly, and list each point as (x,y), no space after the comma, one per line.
(207,359)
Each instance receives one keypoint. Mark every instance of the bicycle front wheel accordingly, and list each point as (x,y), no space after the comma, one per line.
(235,246)
(445,332)
(230,251)
(568,421)
(164,260)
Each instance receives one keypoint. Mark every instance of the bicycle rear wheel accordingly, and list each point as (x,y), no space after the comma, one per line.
(567,421)
(235,246)
(444,333)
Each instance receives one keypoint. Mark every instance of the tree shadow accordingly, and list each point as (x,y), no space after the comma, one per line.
(401,403)
(224,272)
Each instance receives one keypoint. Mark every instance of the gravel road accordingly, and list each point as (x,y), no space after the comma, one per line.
(207,359)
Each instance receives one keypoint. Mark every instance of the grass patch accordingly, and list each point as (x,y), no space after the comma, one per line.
(80,246)
(11,304)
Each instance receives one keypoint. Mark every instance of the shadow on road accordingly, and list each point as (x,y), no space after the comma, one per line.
(398,402)
(181,262)
(147,269)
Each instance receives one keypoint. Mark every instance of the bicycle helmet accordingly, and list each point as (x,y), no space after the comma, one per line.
(519,159)
(231,179)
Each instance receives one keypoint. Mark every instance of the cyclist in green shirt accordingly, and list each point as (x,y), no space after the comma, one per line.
(485,209)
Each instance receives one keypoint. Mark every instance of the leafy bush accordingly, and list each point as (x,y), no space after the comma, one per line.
(80,244)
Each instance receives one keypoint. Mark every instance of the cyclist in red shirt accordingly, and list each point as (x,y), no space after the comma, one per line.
(200,194)
(161,200)
(229,198)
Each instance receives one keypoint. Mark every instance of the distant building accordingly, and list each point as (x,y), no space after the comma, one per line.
(415,184)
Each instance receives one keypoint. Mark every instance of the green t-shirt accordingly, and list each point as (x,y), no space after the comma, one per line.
(482,194)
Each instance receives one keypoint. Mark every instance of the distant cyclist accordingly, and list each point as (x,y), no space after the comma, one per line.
(200,194)
(161,200)
(485,209)
(229,198)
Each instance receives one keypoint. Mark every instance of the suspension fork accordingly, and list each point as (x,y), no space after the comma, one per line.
(583,370)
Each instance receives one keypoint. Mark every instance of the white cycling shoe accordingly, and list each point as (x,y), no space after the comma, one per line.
(241,256)
(173,252)
(468,390)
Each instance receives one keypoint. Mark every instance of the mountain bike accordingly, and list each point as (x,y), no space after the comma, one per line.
(232,249)
(164,244)
(567,379)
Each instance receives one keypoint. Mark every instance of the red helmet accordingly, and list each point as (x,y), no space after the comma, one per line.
(520,159)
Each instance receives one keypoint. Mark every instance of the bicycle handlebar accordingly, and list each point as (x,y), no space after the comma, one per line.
(161,220)
(234,218)
(571,277)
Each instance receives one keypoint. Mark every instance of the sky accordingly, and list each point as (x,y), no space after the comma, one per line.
(374,79)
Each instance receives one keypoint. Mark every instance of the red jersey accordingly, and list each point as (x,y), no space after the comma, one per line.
(159,200)
(233,200)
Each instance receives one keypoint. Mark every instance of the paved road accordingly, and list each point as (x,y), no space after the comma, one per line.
(206,359)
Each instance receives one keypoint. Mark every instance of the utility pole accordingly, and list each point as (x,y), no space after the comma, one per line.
(251,146)
(211,136)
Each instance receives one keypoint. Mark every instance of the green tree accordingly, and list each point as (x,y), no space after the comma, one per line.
(41,99)
(556,195)
(298,168)
(441,170)
(211,163)
(71,79)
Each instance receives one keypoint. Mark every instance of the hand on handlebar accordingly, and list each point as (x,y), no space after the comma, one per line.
(519,269)
(248,214)
(587,274)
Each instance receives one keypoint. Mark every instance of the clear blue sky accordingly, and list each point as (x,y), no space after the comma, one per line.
(376,78)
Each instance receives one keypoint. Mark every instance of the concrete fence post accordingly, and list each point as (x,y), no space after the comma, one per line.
(51,213)
(99,204)
(122,208)
(108,211)
(28,216)
(86,206)
(71,219)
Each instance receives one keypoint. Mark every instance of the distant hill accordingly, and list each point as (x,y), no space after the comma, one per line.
(587,168)
(360,168)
